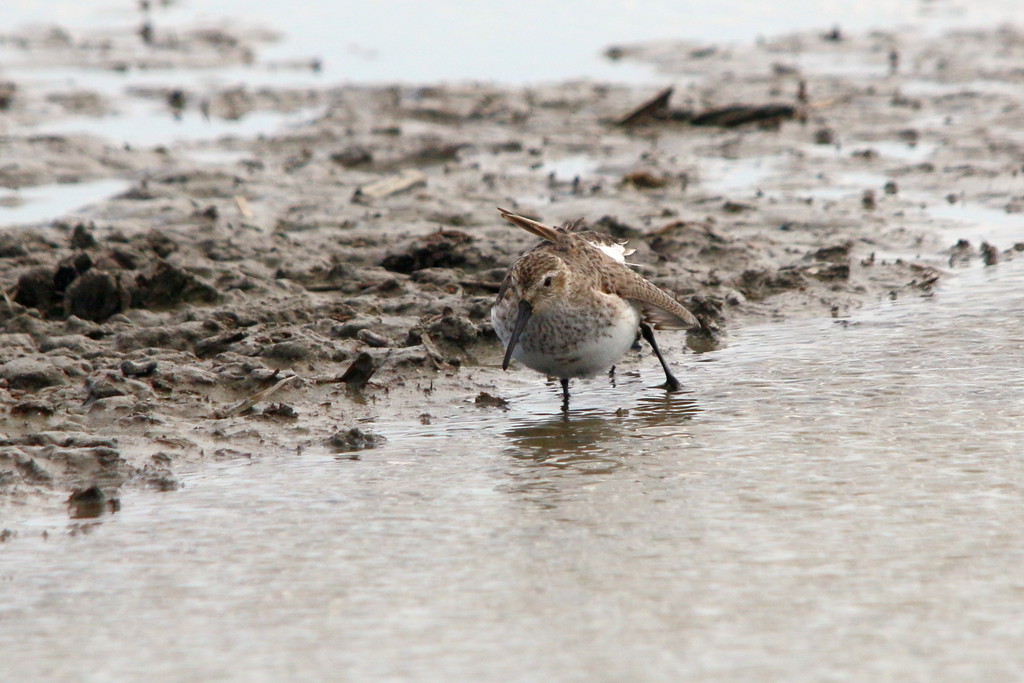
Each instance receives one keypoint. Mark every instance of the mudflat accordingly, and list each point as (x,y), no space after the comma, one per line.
(249,295)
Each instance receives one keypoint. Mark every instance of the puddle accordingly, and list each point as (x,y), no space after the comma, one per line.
(47,202)
(226,157)
(921,87)
(844,185)
(979,223)
(570,168)
(820,481)
(887,149)
(148,124)
(909,153)
(841,64)
(748,175)
(730,176)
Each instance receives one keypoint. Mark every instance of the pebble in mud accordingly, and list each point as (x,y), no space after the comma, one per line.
(868,200)
(91,502)
(373,339)
(131,368)
(824,136)
(354,439)
(487,400)
(13,345)
(360,371)
(81,237)
(280,411)
(989,254)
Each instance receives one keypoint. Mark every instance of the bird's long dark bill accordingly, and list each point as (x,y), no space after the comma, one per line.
(525,311)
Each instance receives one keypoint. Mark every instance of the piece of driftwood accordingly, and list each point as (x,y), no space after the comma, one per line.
(739,114)
(654,109)
(385,187)
(657,110)
(243,206)
(433,352)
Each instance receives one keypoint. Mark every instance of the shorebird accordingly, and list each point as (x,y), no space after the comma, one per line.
(572,306)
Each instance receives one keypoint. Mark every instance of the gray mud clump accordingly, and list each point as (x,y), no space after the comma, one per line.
(96,296)
(441,249)
(164,285)
(354,439)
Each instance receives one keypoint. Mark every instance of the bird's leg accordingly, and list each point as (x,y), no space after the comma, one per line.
(565,392)
(671,383)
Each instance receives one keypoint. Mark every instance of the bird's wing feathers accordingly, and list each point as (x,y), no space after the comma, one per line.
(609,245)
(542,231)
(659,309)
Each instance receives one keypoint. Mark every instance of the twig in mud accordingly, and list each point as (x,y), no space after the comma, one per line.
(324,287)
(245,404)
(432,352)
(243,206)
(385,187)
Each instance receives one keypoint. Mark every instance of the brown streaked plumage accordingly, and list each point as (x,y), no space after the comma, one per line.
(571,306)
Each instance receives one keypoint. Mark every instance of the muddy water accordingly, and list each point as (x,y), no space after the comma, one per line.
(830,498)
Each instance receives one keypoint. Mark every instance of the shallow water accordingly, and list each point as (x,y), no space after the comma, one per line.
(830,499)
(54,200)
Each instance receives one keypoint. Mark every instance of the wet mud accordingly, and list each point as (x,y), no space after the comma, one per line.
(252,296)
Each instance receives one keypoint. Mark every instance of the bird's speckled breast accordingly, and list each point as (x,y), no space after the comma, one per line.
(571,340)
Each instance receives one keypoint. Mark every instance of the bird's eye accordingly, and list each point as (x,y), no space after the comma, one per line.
(547,281)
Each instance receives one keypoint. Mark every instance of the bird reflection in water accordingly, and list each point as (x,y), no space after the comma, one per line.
(600,440)
(558,456)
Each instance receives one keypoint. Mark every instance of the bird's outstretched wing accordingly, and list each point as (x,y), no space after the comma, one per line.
(659,308)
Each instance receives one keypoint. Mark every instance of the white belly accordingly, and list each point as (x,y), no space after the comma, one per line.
(569,343)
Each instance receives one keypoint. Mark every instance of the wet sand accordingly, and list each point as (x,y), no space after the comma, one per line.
(253,295)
